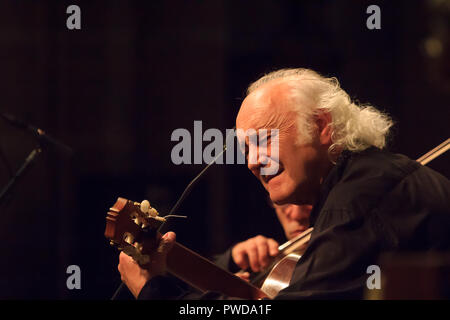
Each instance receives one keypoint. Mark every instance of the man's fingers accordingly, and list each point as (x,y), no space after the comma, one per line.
(125,262)
(170,236)
(241,259)
(253,258)
(167,242)
(273,247)
(263,253)
(243,275)
(255,253)
(267,248)
(124,258)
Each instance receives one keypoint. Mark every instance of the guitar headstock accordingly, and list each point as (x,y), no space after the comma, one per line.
(132,227)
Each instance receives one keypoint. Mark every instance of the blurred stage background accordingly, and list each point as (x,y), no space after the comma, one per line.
(137,70)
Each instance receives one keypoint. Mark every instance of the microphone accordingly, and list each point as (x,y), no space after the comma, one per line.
(39,133)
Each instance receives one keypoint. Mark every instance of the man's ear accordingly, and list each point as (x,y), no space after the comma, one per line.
(323,122)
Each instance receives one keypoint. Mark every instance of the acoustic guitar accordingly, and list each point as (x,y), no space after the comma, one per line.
(133,228)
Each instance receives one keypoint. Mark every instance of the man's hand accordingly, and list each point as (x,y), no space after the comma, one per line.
(256,253)
(134,276)
(244,275)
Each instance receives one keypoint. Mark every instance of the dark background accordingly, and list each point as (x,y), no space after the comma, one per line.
(115,90)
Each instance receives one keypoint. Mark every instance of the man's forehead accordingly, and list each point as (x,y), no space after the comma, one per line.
(254,110)
(260,137)
(257,117)
(262,109)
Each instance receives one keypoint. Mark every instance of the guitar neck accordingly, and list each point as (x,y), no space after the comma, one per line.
(204,275)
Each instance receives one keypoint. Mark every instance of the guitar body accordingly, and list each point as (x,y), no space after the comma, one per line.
(280,276)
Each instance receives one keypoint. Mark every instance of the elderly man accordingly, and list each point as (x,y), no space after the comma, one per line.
(366,200)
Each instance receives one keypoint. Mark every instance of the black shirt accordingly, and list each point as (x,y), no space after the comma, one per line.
(371,202)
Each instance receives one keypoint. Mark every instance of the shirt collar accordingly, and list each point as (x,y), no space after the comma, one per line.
(330,181)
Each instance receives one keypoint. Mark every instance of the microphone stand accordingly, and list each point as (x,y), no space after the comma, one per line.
(28,161)
(43,140)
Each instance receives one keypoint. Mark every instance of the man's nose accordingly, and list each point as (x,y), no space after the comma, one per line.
(298,213)
(254,166)
(256,161)
(293,213)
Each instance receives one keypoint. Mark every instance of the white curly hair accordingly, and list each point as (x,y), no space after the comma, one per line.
(354,127)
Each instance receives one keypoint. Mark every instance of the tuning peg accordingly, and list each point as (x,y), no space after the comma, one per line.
(145,206)
(152,212)
(129,238)
(138,246)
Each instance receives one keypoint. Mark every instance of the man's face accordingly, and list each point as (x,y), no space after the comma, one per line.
(300,165)
(293,218)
